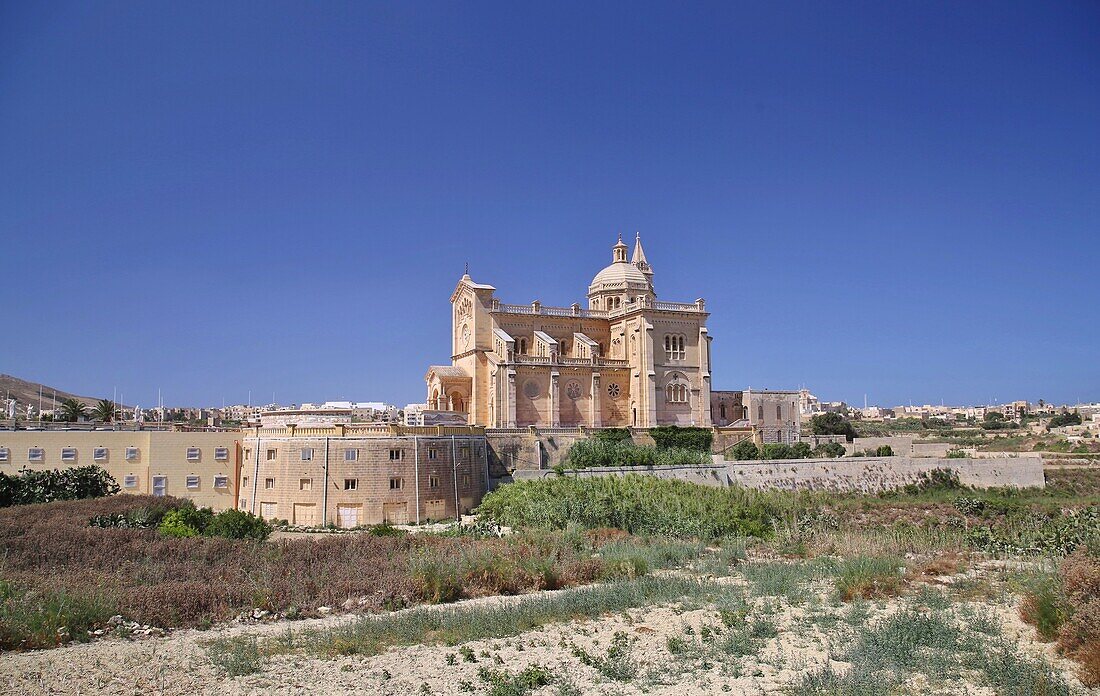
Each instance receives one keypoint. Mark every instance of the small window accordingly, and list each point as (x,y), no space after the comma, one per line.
(397,484)
(480,451)
(244,481)
(305,484)
(351,484)
(221,454)
(247,453)
(433,482)
(221,481)
(307,454)
(99,454)
(130,481)
(269,483)
(68,454)
(132,453)
(193,454)
(431,453)
(778,412)
(396,454)
(464,452)
(271,455)
(351,455)
(160,485)
(465,480)
(4,454)
(243,504)
(193,482)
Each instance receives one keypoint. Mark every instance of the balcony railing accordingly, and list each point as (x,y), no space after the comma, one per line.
(536,308)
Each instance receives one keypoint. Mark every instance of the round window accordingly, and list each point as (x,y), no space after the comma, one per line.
(614,390)
(573,390)
(531,389)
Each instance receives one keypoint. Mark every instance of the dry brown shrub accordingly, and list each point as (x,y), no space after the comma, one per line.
(1079,636)
(949,563)
(184,582)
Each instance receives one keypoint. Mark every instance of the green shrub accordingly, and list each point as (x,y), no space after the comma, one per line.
(832,424)
(238,524)
(635,503)
(829,449)
(745,450)
(675,437)
(585,454)
(777,450)
(44,486)
(175,525)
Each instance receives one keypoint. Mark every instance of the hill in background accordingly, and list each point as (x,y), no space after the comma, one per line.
(26,393)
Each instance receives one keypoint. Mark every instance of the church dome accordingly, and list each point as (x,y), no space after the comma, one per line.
(619,274)
(622,275)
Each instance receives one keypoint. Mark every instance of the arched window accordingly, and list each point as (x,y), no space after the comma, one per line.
(676,391)
(674,347)
(760,413)
(523,346)
(779,412)
(722,408)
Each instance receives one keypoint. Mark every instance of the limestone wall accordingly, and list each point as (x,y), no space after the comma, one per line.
(866,474)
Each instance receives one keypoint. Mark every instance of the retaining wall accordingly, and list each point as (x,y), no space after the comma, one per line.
(863,474)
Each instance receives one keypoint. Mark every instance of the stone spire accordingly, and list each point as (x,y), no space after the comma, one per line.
(639,257)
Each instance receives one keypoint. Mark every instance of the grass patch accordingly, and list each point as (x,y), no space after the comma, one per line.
(869,577)
(459,624)
(236,657)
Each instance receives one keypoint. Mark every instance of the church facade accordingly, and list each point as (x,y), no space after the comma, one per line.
(624,359)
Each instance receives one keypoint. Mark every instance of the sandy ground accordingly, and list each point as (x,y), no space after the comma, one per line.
(177,663)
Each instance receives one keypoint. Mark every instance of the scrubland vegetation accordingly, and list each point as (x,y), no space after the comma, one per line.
(664,585)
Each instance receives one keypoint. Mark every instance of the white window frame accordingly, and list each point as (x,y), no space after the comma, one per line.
(162,487)
(132,453)
(269,480)
(4,454)
(305,484)
(100,454)
(272,454)
(433,481)
(221,481)
(221,454)
(192,481)
(130,481)
(68,454)
(397,483)
(351,454)
(306,454)
(431,453)
(397,455)
(194,454)
(351,484)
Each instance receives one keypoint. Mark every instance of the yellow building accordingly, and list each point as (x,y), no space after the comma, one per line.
(201,466)
(626,359)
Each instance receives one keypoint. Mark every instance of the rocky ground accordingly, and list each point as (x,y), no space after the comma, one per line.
(689,648)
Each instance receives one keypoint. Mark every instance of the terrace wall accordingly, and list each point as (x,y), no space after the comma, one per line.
(855,474)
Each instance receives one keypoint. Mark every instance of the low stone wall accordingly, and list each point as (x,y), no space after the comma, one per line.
(902,445)
(863,474)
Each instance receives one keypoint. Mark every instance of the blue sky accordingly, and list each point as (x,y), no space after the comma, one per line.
(896,199)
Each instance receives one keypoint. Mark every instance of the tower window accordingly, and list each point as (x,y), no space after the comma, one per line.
(675,348)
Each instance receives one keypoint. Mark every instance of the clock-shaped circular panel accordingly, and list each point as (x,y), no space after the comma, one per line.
(614,390)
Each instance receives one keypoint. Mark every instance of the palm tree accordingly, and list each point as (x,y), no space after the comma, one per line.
(104,411)
(72,410)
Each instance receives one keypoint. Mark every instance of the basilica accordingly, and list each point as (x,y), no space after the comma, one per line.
(625,359)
